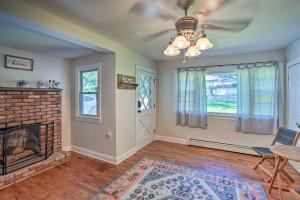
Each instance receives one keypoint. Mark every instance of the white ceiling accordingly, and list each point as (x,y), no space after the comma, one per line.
(17,37)
(275,24)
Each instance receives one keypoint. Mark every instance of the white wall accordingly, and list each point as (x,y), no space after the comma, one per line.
(45,68)
(126,102)
(93,136)
(220,129)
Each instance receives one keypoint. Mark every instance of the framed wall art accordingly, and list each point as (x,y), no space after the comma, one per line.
(15,62)
(126,82)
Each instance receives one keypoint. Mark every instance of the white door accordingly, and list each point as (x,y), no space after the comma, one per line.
(145,93)
(294,97)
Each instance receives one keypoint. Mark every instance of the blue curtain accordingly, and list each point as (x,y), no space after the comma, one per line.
(258,98)
(192,103)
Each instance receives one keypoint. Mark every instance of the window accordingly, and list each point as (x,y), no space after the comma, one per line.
(221,90)
(88,90)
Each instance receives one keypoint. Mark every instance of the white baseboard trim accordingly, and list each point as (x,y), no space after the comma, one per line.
(170,139)
(222,146)
(126,155)
(145,143)
(187,142)
(67,148)
(94,154)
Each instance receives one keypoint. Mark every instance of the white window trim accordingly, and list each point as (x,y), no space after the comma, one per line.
(78,69)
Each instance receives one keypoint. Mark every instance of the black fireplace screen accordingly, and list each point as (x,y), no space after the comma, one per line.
(25,145)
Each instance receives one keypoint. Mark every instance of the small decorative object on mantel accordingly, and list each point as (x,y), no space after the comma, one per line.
(23,83)
(53,84)
(42,84)
(15,62)
(126,82)
(298,125)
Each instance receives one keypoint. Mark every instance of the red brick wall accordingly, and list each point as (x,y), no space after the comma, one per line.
(27,107)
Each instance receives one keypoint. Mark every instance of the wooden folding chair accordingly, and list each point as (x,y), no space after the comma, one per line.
(284,136)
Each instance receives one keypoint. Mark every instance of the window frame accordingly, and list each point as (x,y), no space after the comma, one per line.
(222,69)
(78,91)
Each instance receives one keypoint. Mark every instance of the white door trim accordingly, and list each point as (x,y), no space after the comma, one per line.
(140,68)
(293,62)
(288,66)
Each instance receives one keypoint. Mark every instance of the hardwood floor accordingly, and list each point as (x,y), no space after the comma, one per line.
(82,177)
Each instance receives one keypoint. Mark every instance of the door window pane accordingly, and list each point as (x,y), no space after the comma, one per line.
(145,91)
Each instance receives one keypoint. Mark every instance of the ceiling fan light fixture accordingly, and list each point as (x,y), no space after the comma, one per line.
(193,51)
(181,42)
(171,51)
(204,44)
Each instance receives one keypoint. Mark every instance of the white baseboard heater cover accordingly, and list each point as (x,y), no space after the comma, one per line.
(221,146)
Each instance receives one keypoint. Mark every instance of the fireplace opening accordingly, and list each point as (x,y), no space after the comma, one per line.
(25,145)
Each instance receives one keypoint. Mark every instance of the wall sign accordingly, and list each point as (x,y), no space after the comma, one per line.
(15,62)
(126,82)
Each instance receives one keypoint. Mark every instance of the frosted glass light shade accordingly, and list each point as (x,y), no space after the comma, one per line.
(171,51)
(192,51)
(203,44)
(181,42)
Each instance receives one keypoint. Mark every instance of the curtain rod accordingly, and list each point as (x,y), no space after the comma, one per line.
(224,65)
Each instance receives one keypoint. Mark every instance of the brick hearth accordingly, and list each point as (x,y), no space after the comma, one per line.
(19,106)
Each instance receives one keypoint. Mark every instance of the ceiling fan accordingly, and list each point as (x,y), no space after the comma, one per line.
(187,26)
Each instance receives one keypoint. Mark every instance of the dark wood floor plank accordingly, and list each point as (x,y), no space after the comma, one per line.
(82,177)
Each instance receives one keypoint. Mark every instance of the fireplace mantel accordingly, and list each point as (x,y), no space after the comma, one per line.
(30,89)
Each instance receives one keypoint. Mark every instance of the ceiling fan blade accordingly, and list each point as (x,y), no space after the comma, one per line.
(231,26)
(152,8)
(242,22)
(209,6)
(157,34)
(218,28)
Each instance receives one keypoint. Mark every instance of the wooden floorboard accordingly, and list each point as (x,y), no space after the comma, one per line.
(82,177)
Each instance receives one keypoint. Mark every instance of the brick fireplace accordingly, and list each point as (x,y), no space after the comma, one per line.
(39,109)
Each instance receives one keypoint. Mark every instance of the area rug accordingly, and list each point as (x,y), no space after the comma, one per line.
(153,179)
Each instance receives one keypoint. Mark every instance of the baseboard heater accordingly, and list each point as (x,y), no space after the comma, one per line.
(222,146)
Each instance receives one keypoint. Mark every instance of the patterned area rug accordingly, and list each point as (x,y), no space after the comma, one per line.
(153,179)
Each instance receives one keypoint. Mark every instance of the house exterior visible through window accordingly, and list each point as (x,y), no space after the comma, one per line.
(88,90)
(221,90)
(145,92)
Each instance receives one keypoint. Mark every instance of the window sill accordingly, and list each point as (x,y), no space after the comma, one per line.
(95,120)
(221,116)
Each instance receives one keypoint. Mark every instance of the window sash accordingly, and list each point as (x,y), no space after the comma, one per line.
(81,93)
(81,78)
